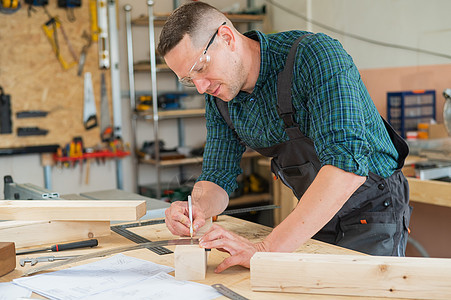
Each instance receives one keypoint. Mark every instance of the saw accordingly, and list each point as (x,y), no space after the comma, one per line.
(113,251)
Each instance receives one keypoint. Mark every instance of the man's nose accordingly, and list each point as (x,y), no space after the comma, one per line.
(201,85)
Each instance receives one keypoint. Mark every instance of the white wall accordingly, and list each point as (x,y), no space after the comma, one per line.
(413,23)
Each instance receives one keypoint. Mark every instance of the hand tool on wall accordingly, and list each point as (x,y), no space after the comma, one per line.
(9,6)
(29,131)
(61,247)
(104,44)
(35,260)
(69,5)
(5,113)
(51,31)
(84,52)
(89,106)
(93,15)
(106,130)
(31,114)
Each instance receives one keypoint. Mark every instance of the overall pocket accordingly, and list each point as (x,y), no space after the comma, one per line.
(369,232)
(297,178)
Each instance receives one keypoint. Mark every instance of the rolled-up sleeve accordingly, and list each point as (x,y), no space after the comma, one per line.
(337,107)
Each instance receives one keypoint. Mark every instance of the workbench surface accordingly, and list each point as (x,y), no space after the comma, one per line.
(236,278)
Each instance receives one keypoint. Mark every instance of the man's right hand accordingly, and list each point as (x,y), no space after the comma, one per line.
(177,218)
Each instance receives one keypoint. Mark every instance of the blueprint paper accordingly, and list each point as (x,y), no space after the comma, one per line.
(90,279)
(162,287)
(11,291)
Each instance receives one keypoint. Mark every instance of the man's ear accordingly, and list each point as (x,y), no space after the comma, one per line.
(228,35)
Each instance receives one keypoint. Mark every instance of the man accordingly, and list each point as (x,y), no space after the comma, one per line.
(296,97)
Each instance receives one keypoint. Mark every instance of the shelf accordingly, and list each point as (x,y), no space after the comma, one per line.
(145,67)
(160,19)
(250,199)
(190,160)
(172,114)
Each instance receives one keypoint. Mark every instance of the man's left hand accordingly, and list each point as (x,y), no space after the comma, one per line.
(240,249)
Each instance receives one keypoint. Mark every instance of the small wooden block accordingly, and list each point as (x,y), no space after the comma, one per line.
(190,262)
(7,257)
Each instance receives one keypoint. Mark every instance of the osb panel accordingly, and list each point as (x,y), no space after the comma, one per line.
(32,75)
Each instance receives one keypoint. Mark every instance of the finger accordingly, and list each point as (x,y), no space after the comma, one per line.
(177,212)
(175,220)
(230,246)
(216,232)
(229,262)
(198,223)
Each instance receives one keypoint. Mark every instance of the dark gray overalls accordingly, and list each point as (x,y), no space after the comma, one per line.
(375,218)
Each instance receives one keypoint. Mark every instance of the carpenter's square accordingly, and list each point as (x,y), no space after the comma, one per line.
(113,251)
(61,247)
(89,105)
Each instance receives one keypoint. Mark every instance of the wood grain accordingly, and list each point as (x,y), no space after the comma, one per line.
(36,233)
(354,275)
(72,210)
(7,257)
(430,191)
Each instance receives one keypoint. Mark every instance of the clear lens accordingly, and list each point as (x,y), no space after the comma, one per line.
(198,68)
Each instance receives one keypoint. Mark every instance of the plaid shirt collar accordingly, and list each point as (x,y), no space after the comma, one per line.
(264,63)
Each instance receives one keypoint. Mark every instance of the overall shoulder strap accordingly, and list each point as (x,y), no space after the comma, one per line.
(284,99)
(224,111)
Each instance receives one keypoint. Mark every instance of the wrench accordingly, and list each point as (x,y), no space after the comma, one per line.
(35,260)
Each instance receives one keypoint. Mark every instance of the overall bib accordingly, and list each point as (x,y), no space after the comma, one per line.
(375,218)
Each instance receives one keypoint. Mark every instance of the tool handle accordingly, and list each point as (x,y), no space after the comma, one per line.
(75,245)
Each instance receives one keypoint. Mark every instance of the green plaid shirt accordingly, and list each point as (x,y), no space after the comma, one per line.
(332,106)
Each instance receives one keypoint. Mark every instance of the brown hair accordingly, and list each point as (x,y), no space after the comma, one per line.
(186,19)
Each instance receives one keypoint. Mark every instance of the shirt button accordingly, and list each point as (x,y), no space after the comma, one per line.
(387,203)
(252,99)
(381,186)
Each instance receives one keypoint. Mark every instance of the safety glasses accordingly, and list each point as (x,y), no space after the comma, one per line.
(201,64)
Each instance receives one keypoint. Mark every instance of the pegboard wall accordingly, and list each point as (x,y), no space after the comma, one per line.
(35,80)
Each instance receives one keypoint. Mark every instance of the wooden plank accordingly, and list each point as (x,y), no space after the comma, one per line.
(7,257)
(355,275)
(35,233)
(430,191)
(72,210)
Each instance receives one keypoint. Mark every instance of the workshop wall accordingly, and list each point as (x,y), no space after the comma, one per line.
(35,79)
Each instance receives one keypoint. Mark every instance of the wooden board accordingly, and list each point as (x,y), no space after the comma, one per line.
(32,75)
(76,210)
(400,277)
(35,233)
(7,257)
(430,191)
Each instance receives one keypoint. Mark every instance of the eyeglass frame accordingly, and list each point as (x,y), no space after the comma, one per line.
(188,80)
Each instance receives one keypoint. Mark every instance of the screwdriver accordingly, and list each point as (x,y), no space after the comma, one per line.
(61,247)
